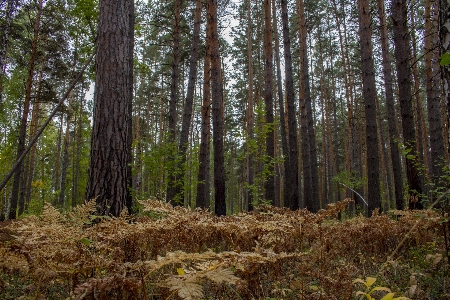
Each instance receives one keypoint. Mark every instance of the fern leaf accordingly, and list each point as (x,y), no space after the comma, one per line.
(187,289)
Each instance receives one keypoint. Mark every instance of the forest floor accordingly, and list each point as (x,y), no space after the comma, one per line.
(178,253)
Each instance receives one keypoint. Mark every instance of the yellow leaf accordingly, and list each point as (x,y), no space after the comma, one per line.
(388,296)
(370,281)
(180,271)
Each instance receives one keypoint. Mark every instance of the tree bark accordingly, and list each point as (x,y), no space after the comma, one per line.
(189,101)
(370,110)
(292,188)
(269,185)
(309,152)
(284,140)
(109,172)
(432,90)
(402,57)
(174,172)
(390,108)
(17,202)
(203,187)
(250,110)
(217,113)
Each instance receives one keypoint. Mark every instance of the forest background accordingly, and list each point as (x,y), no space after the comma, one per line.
(303,126)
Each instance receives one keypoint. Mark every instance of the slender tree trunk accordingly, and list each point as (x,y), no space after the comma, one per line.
(109,172)
(203,187)
(369,94)
(33,128)
(284,140)
(309,152)
(432,90)
(422,141)
(390,108)
(217,113)
(292,188)
(189,101)
(268,101)
(77,155)
(174,172)
(250,111)
(15,203)
(402,56)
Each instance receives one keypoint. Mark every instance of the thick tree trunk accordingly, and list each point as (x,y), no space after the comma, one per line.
(16,201)
(109,172)
(390,108)
(370,110)
(189,101)
(402,56)
(269,185)
(444,38)
(432,90)
(174,172)
(292,188)
(203,187)
(217,113)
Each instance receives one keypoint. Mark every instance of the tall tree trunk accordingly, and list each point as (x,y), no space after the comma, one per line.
(268,101)
(203,187)
(402,56)
(250,110)
(65,156)
(444,38)
(422,132)
(77,155)
(309,152)
(174,172)
(109,172)
(33,128)
(16,201)
(284,140)
(390,108)
(217,113)
(292,188)
(432,90)
(189,101)
(369,94)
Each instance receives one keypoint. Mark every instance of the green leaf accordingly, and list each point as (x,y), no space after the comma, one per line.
(445,59)
(86,241)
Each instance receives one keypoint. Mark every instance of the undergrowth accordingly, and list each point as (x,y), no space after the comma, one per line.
(177,253)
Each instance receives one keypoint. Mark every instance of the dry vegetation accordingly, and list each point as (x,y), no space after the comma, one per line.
(177,253)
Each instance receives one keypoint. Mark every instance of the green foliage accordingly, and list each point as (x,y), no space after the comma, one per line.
(445,59)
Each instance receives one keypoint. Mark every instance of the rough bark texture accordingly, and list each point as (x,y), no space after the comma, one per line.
(16,201)
(217,113)
(109,172)
(174,172)
(402,56)
(432,89)
(189,101)
(292,188)
(203,187)
(309,152)
(268,100)
(250,113)
(390,108)
(444,38)
(284,140)
(369,94)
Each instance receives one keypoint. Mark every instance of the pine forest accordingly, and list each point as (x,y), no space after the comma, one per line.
(224,149)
